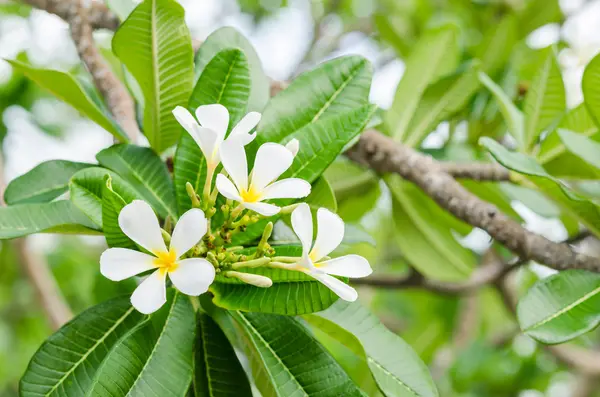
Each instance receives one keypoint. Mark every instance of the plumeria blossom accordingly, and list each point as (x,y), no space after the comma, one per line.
(330,232)
(210,132)
(272,160)
(191,276)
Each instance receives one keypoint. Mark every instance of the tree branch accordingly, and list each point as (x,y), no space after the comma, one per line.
(490,172)
(100,17)
(384,155)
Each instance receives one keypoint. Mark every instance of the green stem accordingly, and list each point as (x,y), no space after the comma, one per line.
(251,263)
(206,194)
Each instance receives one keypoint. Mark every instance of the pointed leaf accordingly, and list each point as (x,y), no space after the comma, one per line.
(397,369)
(145,172)
(43,183)
(155,46)
(561,307)
(65,364)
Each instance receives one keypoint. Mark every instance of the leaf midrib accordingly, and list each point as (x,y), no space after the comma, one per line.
(533,120)
(156,77)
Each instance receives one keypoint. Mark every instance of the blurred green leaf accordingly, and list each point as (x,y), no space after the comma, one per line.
(538,13)
(590,86)
(321,195)
(497,44)
(581,146)
(121,7)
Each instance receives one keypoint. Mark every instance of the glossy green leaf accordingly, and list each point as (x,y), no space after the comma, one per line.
(225,80)
(561,307)
(587,212)
(334,87)
(66,362)
(217,370)
(70,91)
(513,117)
(497,44)
(397,369)
(581,146)
(156,359)
(546,99)
(86,188)
(143,169)
(228,38)
(286,360)
(424,234)
(590,86)
(435,55)
(43,183)
(112,204)
(155,46)
(54,217)
(292,292)
(440,101)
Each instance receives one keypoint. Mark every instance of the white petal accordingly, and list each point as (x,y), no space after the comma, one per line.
(330,233)
(293,146)
(272,160)
(245,125)
(120,263)
(227,188)
(353,266)
(190,229)
(151,294)
(233,157)
(193,276)
(242,139)
(138,221)
(205,138)
(185,118)
(302,225)
(339,287)
(287,188)
(215,117)
(263,208)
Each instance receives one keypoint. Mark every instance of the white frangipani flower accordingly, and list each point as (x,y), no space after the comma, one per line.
(209,134)
(330,232)
(272,160)
(191,276)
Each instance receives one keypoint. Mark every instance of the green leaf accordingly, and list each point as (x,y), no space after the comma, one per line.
(497,44)
(513,117)
(43,183)
(397,369)
(545,100)
(55,217)
(68,90)
(581,146)
(121,7)
(292,292)
(112,204)
(538,13)
(561,307)
(286,360)
(335,87)
(224,80)
(145,172)
(155,359)
(155,46)
(227,38)
(590,86)
(217,370)
(586,211)
(321,195)
(86,188)
(435,55)
(66,362)
(424,234)
(440,101)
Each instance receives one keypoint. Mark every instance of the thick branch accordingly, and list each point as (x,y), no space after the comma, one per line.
(384,155)
(100,17)
(491,172)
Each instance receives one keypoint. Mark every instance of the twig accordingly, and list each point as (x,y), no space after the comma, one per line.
(384,155)
(491,172)
(100,17)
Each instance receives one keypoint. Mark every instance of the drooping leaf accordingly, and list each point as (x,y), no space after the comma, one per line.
(581,146)
(155,359)
(286,360)
(112,204)
(227,38)
(435,55)
(292,292)
(225,80)
(65,364)
(217,370)
(546,99)
(145,172)
(155,46)
(561,307)
(54,217)
(43,183)
(338,86)
(86,188)
(68,90)
(586,211)
(397,369)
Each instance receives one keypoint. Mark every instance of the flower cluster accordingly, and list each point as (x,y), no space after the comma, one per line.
(197,252)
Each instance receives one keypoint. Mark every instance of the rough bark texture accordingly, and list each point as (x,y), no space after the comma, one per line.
(477,171)
(100,16)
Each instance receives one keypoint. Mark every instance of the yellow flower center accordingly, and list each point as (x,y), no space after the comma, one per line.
(166,261)
(251,195)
